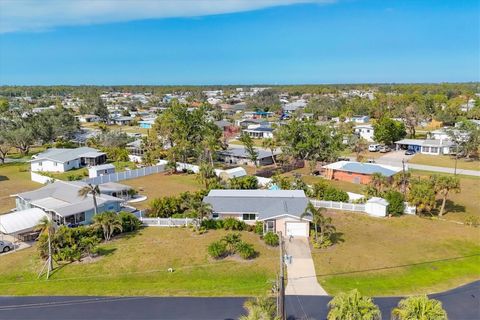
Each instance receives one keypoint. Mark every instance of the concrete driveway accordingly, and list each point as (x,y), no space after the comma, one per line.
(394,158)
(302,279)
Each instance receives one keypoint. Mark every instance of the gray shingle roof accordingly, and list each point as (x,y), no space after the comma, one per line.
(266,203)
(62,197)
(64,155)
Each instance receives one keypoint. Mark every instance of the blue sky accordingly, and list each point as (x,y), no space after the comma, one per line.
(298,42)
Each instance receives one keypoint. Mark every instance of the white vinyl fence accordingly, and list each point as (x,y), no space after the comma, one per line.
(338,205)
(166,222)
(125,175)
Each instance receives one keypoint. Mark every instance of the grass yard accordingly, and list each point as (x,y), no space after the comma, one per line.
(398,256)
(256,142)
(445,161)
(33,150)
(309,179)
(14,179)
(460,205)
(137,265)
(161,185)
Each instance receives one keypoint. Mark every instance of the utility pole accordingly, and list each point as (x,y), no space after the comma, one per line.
(404,189)
(281,288)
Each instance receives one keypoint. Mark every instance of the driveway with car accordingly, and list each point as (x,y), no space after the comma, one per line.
(302,278)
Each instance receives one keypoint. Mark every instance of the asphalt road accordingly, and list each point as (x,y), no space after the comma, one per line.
(462,303)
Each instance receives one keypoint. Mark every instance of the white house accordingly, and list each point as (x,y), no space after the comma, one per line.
(365,131)
(61,160)
(85,118)
(259,132)
(62,203)
(430,147)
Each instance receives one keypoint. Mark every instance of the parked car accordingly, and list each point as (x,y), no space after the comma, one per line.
(5,246)
(384,149)
(343,159)
(410,152)
(373,147)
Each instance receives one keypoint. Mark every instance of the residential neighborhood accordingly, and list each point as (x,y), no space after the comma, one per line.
(269,160)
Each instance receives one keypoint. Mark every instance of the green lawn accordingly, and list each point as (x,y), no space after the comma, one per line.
(398,256)
(256,142)
(33,150)
(161,185)
(463,204)
(138,266)
(445,161)
(14,178)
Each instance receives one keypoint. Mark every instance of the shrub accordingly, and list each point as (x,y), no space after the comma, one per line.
(209,224)
(472,221)
(245,183)
(129,221)
(334,194)
(233,224)
(259,228)
(245,250)
(396,205)
(271,239)
(217,249)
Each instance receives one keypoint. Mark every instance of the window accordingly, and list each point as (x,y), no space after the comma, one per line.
(349,173)
(215,215)
(249,216)
(55,164)
(434,150)
(425,149)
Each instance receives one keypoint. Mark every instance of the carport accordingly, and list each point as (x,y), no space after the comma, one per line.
(21,224)
(409,144)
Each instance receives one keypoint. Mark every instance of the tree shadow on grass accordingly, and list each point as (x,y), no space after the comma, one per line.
(104,252)
(337,237)
(4,178)
(451,206)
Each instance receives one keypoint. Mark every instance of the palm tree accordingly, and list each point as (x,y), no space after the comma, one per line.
(443,186)
(206,174)
(320,222)
(353,306)
(260,308)
(94,190)
(46,226)
(247,142)
(109,222)
(271,144)
(199,209)
(420,308)
(378,182)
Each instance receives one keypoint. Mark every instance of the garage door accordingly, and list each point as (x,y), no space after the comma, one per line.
(297,229)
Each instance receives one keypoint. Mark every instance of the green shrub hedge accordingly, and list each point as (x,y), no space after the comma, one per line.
(271,239)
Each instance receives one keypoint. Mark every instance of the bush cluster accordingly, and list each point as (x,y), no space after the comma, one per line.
(271,239)
(323,191)
(229,245)
(73,244)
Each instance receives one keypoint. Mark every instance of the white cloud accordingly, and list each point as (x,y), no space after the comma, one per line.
(41,15)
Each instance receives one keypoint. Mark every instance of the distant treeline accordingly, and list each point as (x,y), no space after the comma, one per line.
(449,89)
